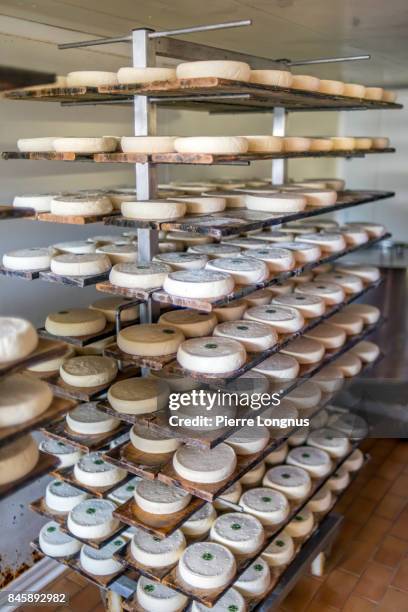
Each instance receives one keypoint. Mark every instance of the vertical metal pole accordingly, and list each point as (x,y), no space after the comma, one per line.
(279,166)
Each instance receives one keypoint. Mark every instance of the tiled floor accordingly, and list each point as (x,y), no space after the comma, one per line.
(368,567)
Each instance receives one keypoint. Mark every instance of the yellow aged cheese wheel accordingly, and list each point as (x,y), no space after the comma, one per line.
(150,340)
(75,322)
(329,335)
(138,395)
(88,371)
(17,459)
(306,82)
(333,88)
(230,312)
(190,322)
(277,78)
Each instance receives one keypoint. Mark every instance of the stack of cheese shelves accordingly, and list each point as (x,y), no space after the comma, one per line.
(114,448)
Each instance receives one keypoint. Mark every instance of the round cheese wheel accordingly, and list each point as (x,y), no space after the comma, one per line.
(88,371)
(349,323)
(332,441)
(56,543)
(305,350)
(205,284)
(38,202)
(255,337)
(80,205)
(231,600)
(232,494)
(207,565)
(203,205)
(255,581)
(241,533)
(277,78)
(182,261)
(389,96)
(264,144)
(158,498)
(22,398)
(353,90)
(328,242)
(71,264)
(321,144)
(274,236)
(354,462)
(299,437)
(189,238)
(52,365)
(349,364)
(333,88)
(305,396)
(374,93)
(139,276)
(93,471)
(205,465)
(138,395)
(277,259)
(108,307)
(331,293)
(62,497)
(129,75)
(92,519)
(75,322)
(100,562)
(321,501)
(353,426)
(199,524)
(211,355)
(147,144)
(216,251)
(305,82)
(191,323)
(277,456)
(230,312)
(232,199)
(339,480)
(154,552)
(284,320)
(280,551)
(81,247)
(122,494)
(343,143)
(221,145)
(304,277)
(149,340)
(303,252)
(366,351)
(368,274)
(301,525)
(105,144)
(319,420)
(244,243)
(349,282)
(18,339)
(150,441)
(244,270)
(42,145)
(370,314)
(279,367)
(87,420)
(223,69)
(331,336)
(91,78)
(176,381)
(152,595)
(119,253)
(249,440)
(269,506)
(291,480)
(319,198)
(329,379)
(381,143)
(363,143)
(296,144)
(35,258)
(17,459)
(258,298)
(314,460)
(276,202)
(253,477)
(309,306)
(153,210)
(67,454)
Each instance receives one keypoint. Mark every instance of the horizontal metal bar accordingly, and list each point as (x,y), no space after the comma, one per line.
(204,28)
(96,41)
(328,60)
(198,98)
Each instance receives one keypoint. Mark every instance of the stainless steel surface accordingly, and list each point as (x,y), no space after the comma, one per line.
(279,166)
(203,28)
(96,41)
(328,60)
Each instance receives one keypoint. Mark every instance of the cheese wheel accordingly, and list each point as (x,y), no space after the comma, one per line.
(232,494)
(100,562)
(279,367)
(343,143)
(150,441)
(231,600)
(244,270)
(105,144)
(119,253)
(277,259)
(275,202)
(258,298)
(305,350)
(255,581)
(277,78)
(118,196)
(355,461)
(182,261)
(176,381)
(108,307)
(309,306)
(299,437)
(354,235)
(223,69)
(199,524)
(168,246)
(232,198)
(274,236)
(264,144)
(321,144)
(249,440)
(277,456)
(321,501)
(353,90)
(314,460)
(329,379)
(328,242)
(331,336)
(56,543)
(305,82)
(241,533)
(42,145)
(92,519)
(230,312)
(269,506)
(87,420)
(349,323)
(129,75)
(353,426)
(152,595)
(158,498)
(280,551)
(330,440)
(202,205)
(363,143)
(331,293)
(205,465)
(139,276)
(52,365)
(38,202)
(296,144)
(149,340)
(221,145)
(381,142)
(88,371)
(122,494)
(333,88)
(138,395)
(67,454)
(93,471)
(374,93)
(284,320)
(22,398)
(389,96)
(81,247)
(153,210)
(204,284)
(255,337)
(368,274)
(244,243)
(301,525)
(80,205)
(191,323)
(207,565)
(35,258)
(147,144)
(62,497)
(80,265)
(18,339)
(366,351)
(320,198)
(153,552)
(91,78)
(349,363)
(305,396)
(339,480)
(253,477)
(304,252)
(17,459)
(211,355)
(75,322)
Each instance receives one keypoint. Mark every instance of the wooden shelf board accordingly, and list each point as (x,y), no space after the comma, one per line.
(16,212)
(146,465)
(59,430)
(28,275)
(109,331)
(74,219)
(46,349)
(68,475)
(74,281)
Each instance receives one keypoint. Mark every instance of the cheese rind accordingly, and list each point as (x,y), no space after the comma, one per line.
(305,82)
(35,258)
(232,494)
(279,367)
(38,202)
(264,144)
(255,580)
(182,261)
(202,205)
(80,265)
(17,459)
(147,440)
(249,440)
(91,78)
(207,565)
(282,319)
(211,355)
(314,460)
(331,293)
(88,371)
(105,144)
(151,551)
(92,519)
(191,323)
(277,78)
(280,551)
(62,497)
(305,350)
(333,88)
(309,306)
(301,525)
(197,464)
(29,145)
(236,71)
(119,253)
(252,478)
(152,595)
(221,145)
(18,339)
(135,276)
(158,498)
(199,283)
(100,562)
(128,75)
(22,398)
(275,202)
(254,336)
(56,543)
(244,270)
(199,524)
(241,533)
(339,481)
(269,506)
(293,481)
(370,314)
(75,322)
(331,336)
(138,395)
(67,454)
(332,441)
(93,471)
(366,351)
(80,205)
(86,419)
(154,210)
(108,306)
(150,339)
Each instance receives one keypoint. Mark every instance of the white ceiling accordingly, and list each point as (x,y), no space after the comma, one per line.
(295,29)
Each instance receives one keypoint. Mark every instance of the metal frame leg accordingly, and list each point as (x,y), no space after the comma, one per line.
(279,166)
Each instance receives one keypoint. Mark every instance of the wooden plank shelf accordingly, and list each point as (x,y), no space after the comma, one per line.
(74,219)
(28,275)
(74,281)
(59,430)
(16,212)
(154,363)
(45,464)
(109,331)
(85,394)
(232,221)
(57,94)
(46,349)
(127,457)
(68,475)
(138,294)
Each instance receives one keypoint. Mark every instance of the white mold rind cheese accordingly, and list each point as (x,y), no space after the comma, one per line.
(75,322)
(283,319)
(129,75)
(339,480)
(207,565)
(305,350)
(236,71)
(269,506)
(17,459)
(55,543)
(62,497)
(88,371)
(205,284)
(182,261)
(153,210)
(232,494)
(254,336)
(87,420)
(191,323)
(244,270)
(147,440)
(104,144)
(150,551)
(199,524)
(314,460)
(309,306)
(139,276)
(211,355)
(72,264)
(335,443)
(293,481)
(92,519)
(93,471)
(241,533)
(280,551)
(100,562)
(277,456)
(198,464)
(275,202)
(255,580)
(82,205)
(249,440)
(331,293)
(231,600)
(276,259)
(66,454)
(221,145)
(124,492)
(152,595)
(18,339)
(301,525)
(22,398)
(35,258)
(107,306)
(156,497)
(279,367)
(321,501)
